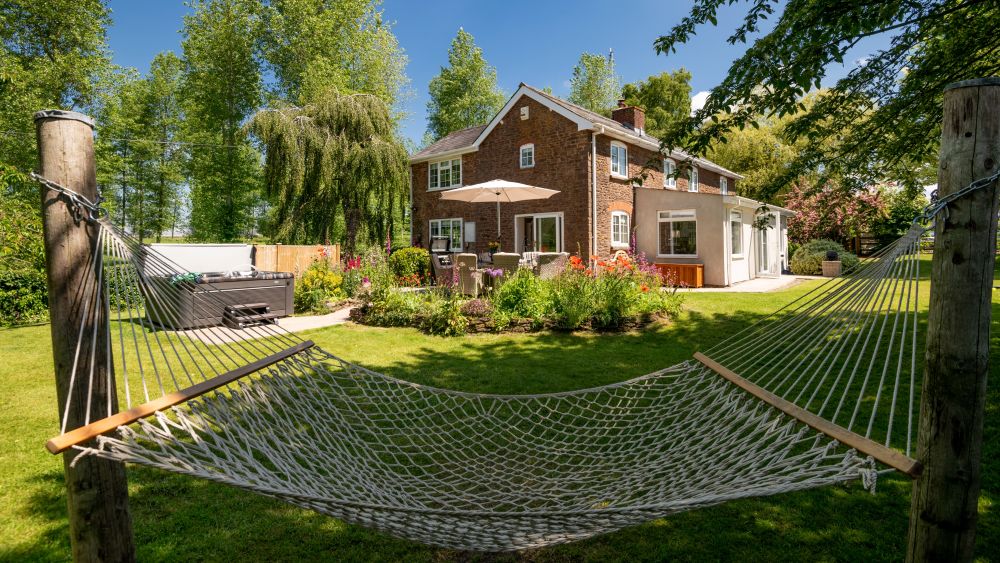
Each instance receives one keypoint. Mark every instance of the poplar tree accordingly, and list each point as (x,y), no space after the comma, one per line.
(594,84)
(465,93)
(223,87)
(340,152)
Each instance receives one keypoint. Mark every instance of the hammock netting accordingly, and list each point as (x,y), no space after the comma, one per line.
(497,472)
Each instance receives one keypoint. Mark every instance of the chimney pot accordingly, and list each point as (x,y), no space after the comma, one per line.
(621,103)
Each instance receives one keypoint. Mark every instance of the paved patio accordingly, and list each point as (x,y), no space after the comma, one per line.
(758,285)
(222,334)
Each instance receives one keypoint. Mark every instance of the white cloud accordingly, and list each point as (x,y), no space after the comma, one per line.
(861,61)
(698,101)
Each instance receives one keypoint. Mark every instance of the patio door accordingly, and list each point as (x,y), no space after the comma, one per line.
(539,232)
(766,250)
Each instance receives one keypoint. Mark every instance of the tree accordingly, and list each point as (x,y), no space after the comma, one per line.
(51,54)
(594,84)
(223,87)
(337,153)
(825,211)
(315,45)
(464,93)
(666,98)
(161,118)
(885,114)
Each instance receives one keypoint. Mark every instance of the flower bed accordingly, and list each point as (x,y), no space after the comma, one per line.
(602,295)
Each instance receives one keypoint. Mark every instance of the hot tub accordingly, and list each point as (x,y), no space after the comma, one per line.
(179,302)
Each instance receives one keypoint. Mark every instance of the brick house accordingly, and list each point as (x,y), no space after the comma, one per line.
(684,217)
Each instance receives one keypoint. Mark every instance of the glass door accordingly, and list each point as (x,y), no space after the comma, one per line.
(547,234)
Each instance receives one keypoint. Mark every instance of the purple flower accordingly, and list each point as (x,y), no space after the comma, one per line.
(365,281)
(493,272)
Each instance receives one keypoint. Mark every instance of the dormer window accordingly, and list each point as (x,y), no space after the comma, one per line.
(619,160)
(669,174)
(693,179)
(445,174)
(528,156)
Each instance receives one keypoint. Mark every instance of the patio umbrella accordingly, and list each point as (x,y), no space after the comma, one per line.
(498,191)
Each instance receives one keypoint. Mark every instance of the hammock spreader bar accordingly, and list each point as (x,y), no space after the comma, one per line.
(880,453)
(84,433)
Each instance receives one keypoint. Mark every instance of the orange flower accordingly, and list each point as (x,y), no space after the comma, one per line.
(644,288)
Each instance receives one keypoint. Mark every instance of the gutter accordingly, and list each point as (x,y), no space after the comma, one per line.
(593,186)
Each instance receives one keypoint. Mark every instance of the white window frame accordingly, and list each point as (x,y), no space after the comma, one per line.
(454,221)
(622,160)
(669,173)
(724,185)
(435,167)
(676,216)
(736,222)
(519,235)
(620,239)
(530,148)
(693,179)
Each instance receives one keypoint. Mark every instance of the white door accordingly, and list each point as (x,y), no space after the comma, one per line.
(767,249)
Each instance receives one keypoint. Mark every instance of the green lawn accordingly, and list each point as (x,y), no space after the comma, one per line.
(181,518)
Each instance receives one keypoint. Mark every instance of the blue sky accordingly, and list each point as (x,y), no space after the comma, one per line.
(535,42)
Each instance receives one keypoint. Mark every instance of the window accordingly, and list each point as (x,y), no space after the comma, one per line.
(693,180)
(724,185)
(451,228)
(619,229)
(669,174)
(678,233)
(736,232)
(527,156)
(619,160)
(445,174)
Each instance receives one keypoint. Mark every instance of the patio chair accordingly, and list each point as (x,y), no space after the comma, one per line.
(550,264)
(506,261)
(469,277)
(441,266)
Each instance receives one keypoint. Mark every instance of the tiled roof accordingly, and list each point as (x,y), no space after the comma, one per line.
(466,137)
(623,129)
(452,141)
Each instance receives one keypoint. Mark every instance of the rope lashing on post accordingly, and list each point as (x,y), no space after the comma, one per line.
(823,391)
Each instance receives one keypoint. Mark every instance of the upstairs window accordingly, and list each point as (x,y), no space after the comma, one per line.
(669,174)
(445,174)
(619,229)
(527,156)
(724,185)
(693,180)
(619,160)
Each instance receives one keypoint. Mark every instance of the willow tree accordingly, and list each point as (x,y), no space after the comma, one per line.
(337,158)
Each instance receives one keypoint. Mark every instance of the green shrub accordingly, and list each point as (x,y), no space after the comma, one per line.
(521,295)
(808,259)
(572,294)
(24,297)
(410,264)
(395,308)
(615,299)
(318,285)
(445,317)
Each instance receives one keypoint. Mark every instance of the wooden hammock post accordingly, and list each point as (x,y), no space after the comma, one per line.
(945,498)
(99,521)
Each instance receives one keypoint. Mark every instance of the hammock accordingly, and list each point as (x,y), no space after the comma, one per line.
(821,392)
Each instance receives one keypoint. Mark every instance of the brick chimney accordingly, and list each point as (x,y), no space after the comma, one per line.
(633,117)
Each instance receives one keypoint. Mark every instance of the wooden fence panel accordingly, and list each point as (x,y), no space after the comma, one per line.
(293,258)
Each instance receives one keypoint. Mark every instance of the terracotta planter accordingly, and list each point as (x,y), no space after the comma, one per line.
(831,268)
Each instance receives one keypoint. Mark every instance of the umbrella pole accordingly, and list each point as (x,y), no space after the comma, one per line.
(499,237)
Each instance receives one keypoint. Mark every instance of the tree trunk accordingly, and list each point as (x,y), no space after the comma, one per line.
(352,223)
(949,444)
(99,521)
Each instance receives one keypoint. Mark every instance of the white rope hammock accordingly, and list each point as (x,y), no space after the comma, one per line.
(271,413)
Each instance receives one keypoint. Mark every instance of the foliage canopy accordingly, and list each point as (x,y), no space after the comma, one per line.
(465,93)
(883,118)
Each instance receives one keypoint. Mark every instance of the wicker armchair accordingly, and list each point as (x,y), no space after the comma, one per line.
(506,261)
(550,264)
(470,279)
